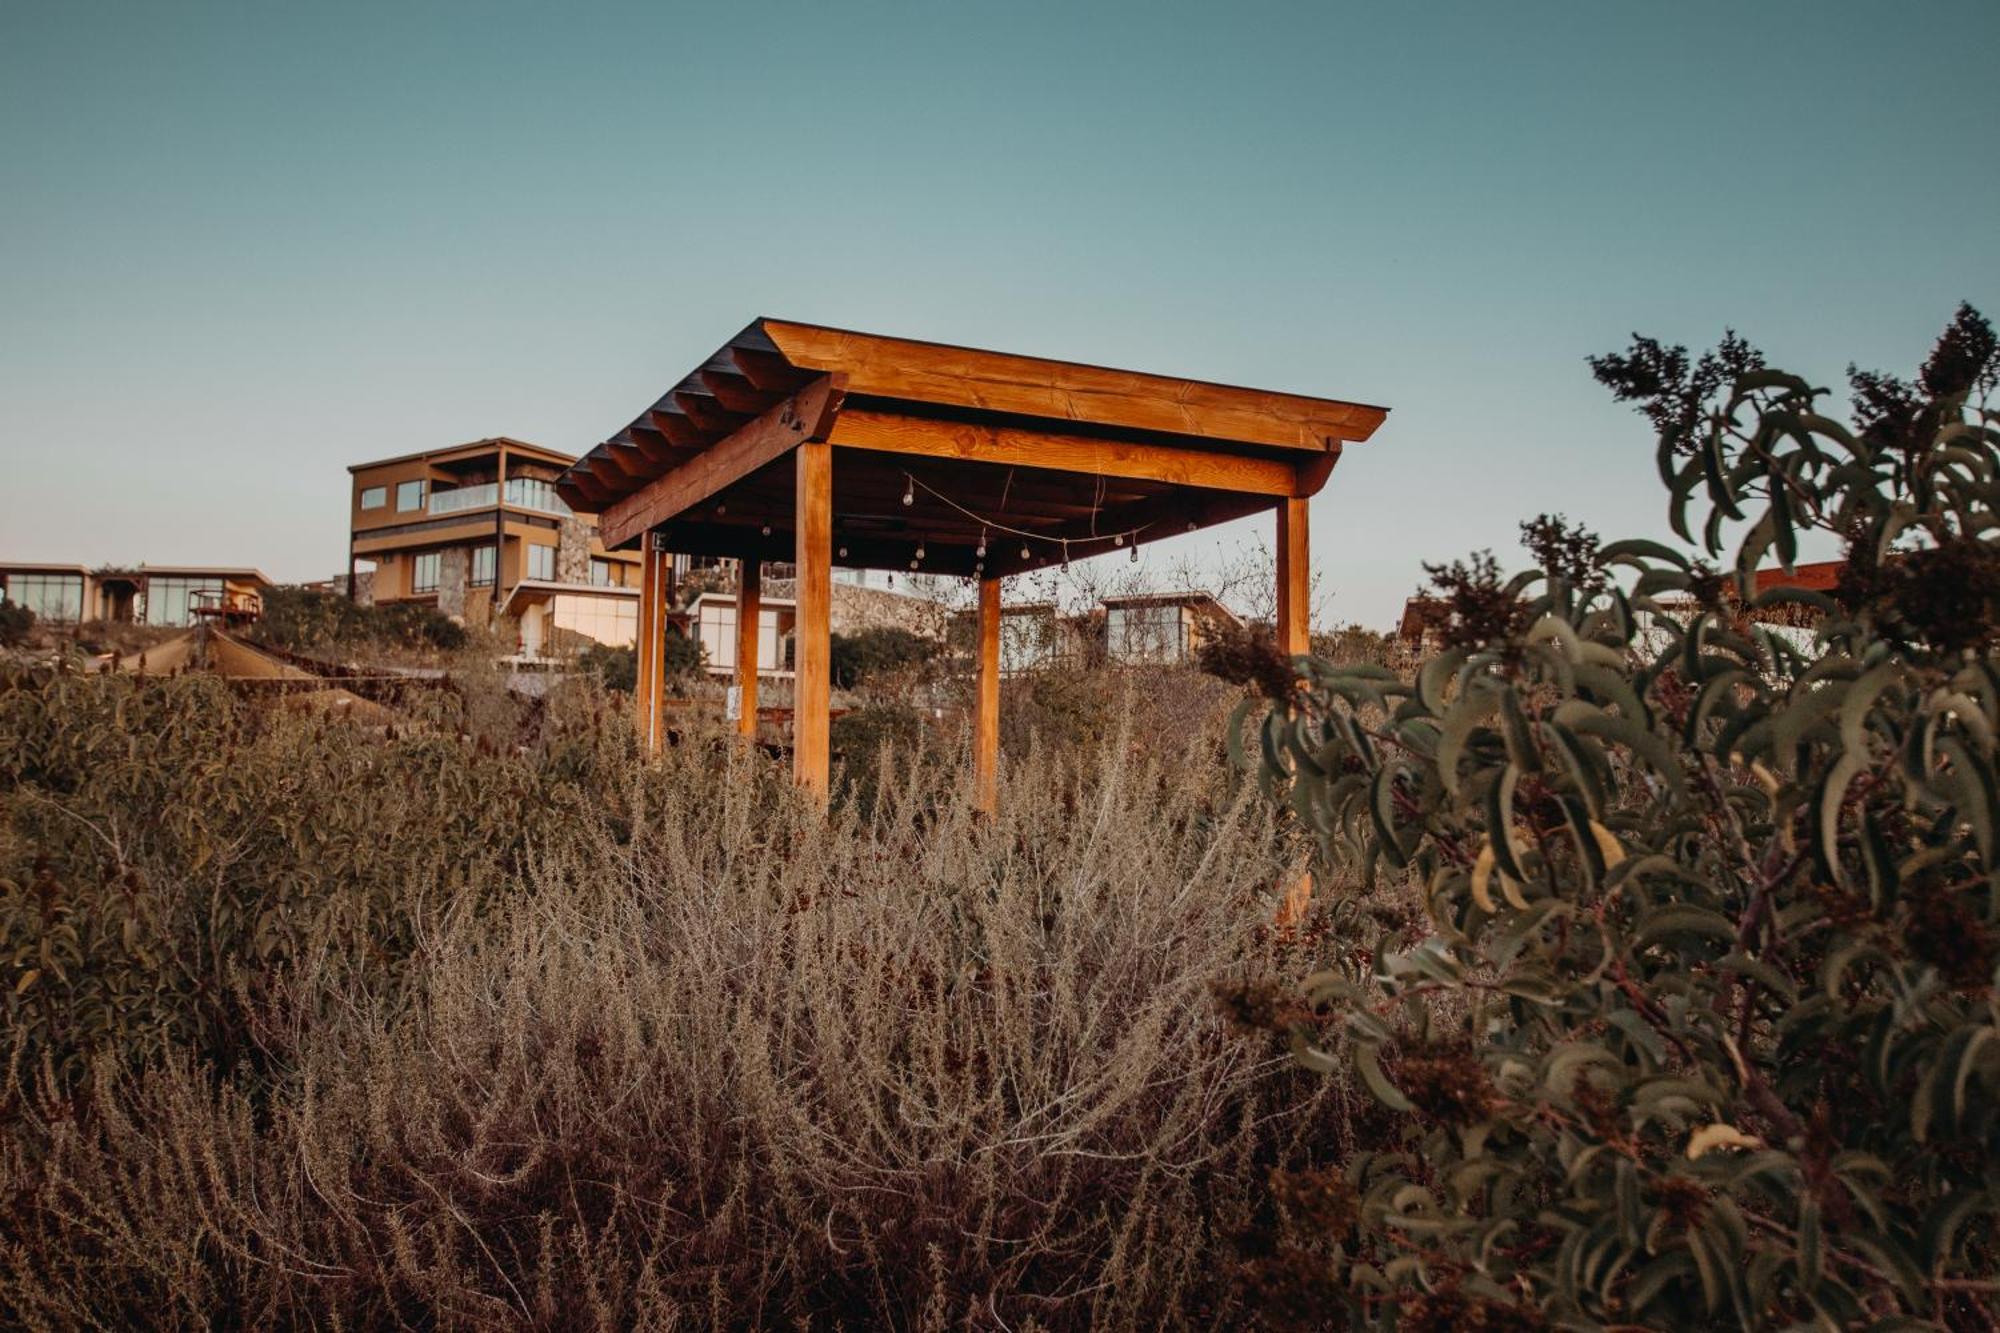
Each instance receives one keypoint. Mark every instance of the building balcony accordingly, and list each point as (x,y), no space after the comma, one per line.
(521,493)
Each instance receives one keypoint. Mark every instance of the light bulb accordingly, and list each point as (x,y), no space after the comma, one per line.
(1024,553)
(767,529)
(920,551)
(909,493)
(720,510)
(843,553)
(1118,540)
(913,564)
(1135,555)
(1190,525)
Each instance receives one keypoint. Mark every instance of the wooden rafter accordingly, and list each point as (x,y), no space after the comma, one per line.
(803,416)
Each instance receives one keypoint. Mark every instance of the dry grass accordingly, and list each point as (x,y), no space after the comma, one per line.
(692,1056)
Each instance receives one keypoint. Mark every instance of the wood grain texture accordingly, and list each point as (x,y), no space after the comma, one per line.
(749,603)
(888,432)
(925,372)
(800,417)
(812,680)
(647,687)
(986,714)
(1294,578)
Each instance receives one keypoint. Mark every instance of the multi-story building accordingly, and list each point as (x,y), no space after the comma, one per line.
(163,596)
(477,531)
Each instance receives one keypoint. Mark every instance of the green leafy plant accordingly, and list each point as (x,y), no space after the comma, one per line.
(17,622)
(875,652)
(1701,1027)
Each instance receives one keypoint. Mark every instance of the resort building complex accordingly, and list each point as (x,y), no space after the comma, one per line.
(478,531)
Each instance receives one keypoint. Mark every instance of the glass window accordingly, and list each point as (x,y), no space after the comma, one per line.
(1027,641)
(531,493)
(424,572)
(50,596)
(609,620)
(718,634)
(374,497)
(409,496)
(600,573)
(541,562)
(1144,633)
(170,602)
(482,566)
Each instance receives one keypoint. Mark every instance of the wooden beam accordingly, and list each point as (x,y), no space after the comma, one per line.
(737,394)
(923,372)
(812,681)
(677,428)
(803,416)
(749,608)
(1313,472)
(1294,578)
(704,411)
(986,715)
(930,437)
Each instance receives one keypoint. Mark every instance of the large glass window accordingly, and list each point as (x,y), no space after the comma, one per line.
(718,637)
(609,620)
(424,572)
(541,562)
(1145,633)
(50,596)
(170,602)
(409,496)
(374,497)
(482,566)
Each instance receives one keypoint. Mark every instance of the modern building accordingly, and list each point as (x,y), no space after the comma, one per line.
(712,621)
(1166,627)
(163,596)
(478,531)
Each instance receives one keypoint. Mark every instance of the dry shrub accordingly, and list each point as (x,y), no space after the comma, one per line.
(687,1054)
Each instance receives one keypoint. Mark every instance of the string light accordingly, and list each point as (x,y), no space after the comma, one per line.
(767,529)
(720,510)
(1135,553)
(920,550)
(843,553)
(1118,540)
(909,491)
(1024,553)
(1190,525)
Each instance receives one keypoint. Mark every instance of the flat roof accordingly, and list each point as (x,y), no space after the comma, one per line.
(467,449)
(942,447)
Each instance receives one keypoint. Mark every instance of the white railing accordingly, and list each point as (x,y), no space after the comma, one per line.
(462,498)
(527,493)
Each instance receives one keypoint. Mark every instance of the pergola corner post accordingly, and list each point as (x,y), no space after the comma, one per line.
(986,711)
(651,653)
(812,679)
(749,612)
(1294,632)
(1294,578)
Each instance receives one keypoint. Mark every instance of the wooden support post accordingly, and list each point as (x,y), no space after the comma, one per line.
(1294,579)
(749,611)
(651,648)
(1294,637)
(814,558)
(986,715)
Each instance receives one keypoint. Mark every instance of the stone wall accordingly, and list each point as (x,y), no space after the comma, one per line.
(454,572)
(573,550)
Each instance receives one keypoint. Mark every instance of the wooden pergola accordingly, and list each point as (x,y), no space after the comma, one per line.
(826,447)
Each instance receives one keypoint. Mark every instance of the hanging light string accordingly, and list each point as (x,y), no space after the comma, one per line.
(1118,538)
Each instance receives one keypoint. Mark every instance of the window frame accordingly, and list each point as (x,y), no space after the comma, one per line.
(434,561)
(402,488)
(492,562)
(534,560)
(381,500)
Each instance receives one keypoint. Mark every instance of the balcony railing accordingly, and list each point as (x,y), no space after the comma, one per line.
(462,498)
(522,493)
(527,493)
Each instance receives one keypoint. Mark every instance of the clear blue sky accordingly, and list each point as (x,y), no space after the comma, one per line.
(244,245)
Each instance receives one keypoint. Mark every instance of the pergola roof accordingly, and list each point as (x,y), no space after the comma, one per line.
(1008,453)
